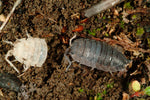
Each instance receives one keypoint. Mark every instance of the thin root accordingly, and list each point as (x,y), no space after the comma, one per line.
(11,12)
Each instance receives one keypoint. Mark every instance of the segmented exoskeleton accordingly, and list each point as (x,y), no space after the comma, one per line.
(96,54)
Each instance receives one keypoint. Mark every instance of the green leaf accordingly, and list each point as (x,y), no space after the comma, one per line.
(147,91)
(127,5)
(92,33)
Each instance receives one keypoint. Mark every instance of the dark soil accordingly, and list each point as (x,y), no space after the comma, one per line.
(51,82)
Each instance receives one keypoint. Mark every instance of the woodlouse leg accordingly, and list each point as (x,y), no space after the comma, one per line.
(111,73)
(8,42)
(27,34)
(92,68)
(67,58)
(14,60)
(25,68)
(9,53)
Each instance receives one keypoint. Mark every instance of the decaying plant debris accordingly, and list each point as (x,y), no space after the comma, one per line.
(124,26)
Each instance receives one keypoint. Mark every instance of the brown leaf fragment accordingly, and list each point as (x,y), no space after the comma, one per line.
(143,81)
(2,18)
(138,10)
(123,41)
(116,12)
(125,96)
(75,16)
(1,93)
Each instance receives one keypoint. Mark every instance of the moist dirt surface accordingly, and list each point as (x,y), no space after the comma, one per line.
(55,20)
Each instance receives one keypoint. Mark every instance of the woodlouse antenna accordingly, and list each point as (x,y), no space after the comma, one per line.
(70,41)
(9,42)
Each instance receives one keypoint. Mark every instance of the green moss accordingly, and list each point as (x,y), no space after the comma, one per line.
(127,5)
(90,98)
(110,85)
(122,24)
(98,29)
(99,96)
(81,90)
(96,19)
(134,17)
(104,17)
(140,31)
(106,34)
(91,33)
(104,92)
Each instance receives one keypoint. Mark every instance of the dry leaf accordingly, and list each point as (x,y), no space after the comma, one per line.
(125,96)
(1,93)
(116,12)
(2,18)
(143,81)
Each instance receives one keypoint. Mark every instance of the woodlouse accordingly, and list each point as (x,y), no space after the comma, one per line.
(96,54)
(10,81)
(30,52)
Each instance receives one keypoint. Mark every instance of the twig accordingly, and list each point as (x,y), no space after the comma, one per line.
(103,5)
(47,17)
(11,12)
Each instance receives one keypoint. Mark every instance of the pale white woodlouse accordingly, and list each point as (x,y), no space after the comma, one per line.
(28,51)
